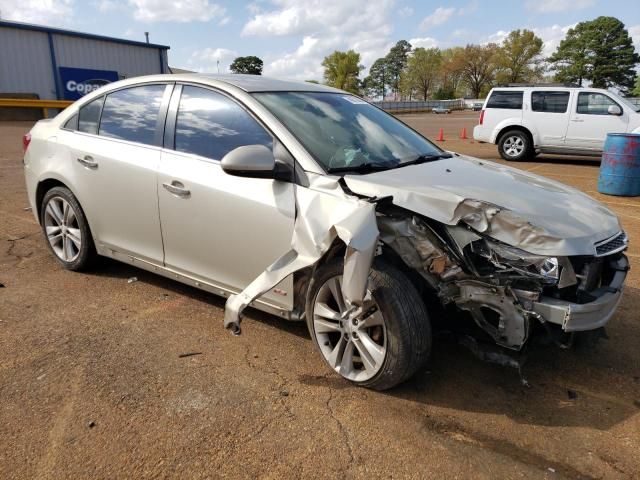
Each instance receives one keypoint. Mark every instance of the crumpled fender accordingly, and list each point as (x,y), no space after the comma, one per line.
(324,212)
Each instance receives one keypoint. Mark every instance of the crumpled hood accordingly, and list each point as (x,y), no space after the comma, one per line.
(534,213)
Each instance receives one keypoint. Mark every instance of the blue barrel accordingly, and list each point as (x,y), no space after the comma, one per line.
(620,168)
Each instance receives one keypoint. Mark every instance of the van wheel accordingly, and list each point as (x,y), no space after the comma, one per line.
(515,145)
(378,346)
(66,229)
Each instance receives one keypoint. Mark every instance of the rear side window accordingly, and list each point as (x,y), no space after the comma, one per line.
(553,102)
(132,114)
(210,124)
(594,103)
(505,99)
(89,116)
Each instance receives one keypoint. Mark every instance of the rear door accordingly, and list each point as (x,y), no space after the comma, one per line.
(590,121)
(115,155)
(219,228)
(549,114)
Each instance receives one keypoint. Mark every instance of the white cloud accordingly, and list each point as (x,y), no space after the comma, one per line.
(496,37)
(634,32)
(325,26)
(210,59)
(424,42)
(551,36)
(224,21)
(46,12)
(550,6)
(175,11)
(438,17)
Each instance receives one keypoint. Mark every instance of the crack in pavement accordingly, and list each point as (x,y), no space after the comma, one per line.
(343,431)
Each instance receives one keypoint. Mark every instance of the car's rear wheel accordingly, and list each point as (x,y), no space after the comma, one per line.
(379,345)
(66,229)
(515,145)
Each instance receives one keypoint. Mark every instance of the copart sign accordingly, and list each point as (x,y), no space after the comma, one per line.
(77,82)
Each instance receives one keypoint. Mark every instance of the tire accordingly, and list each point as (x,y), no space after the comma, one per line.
(405,332)
(66,229)
(515,146)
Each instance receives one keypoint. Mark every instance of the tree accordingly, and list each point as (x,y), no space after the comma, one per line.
(636,90)
(519,58)
(251,65)
(375,84)
(341,70)
(600,51)
(477,66)
(451,70)
(396,61)
(423,70)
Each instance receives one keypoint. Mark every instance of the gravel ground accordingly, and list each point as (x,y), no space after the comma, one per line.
(94,382)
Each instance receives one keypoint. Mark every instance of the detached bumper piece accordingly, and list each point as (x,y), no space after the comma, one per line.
(576,317)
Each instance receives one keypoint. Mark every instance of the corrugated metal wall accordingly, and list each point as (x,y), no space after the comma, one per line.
(127,60)
(25,63)
(26,67)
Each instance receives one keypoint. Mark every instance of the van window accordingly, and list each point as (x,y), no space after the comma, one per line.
(505,99)
(132,114)
(552,102)
(89,116)
(210,124)
(594,103)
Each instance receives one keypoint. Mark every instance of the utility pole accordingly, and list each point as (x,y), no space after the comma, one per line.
(146,35)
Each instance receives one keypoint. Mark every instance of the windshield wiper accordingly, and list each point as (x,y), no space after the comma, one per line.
(425,158)
(361,168)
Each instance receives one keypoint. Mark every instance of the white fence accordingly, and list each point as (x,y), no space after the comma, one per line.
(421,106)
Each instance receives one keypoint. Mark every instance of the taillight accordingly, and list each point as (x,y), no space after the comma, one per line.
(481,117)
(26,140)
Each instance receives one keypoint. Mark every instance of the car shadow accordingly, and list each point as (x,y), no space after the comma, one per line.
(568,160)
(596,388)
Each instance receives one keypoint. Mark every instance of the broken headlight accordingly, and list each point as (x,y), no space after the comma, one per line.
(505,258)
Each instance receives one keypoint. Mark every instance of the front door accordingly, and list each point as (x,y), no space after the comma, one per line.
(219,228)
(591,121)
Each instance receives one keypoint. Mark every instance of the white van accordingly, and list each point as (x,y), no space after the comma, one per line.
(526,120)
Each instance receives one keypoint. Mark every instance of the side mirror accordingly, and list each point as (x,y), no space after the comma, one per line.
(614,110)
(253,161)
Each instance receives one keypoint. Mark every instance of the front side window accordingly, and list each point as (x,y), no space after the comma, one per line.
(342,131)
(210,124)
(89,116)
(505,99)
(132,114)
(551,102)
(594,103)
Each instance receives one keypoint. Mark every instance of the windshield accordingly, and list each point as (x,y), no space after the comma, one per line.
(635,108)
(343,132)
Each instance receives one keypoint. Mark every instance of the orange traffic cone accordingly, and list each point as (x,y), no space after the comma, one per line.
(463,134)
(441,136)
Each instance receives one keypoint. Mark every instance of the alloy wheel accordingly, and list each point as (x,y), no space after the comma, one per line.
(353,340)
(513,146)
(62,229)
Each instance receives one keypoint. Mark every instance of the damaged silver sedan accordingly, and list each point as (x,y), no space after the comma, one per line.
(309,203)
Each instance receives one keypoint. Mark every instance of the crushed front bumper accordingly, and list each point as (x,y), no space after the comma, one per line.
(574,317)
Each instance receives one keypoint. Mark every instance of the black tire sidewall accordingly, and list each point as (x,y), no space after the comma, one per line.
(407,349)
(526,152)
(87,249)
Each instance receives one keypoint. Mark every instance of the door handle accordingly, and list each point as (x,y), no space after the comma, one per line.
(177,188)
(577,120)
(88,161)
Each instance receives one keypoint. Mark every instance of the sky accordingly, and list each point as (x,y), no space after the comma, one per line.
(293,36)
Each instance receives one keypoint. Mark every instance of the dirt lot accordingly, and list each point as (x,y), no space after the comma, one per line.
(93,385)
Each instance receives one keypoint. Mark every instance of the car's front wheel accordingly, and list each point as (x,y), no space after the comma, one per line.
(379,345)
(66,229)
(515,145)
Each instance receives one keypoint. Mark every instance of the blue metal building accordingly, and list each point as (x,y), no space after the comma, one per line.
(63,64)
